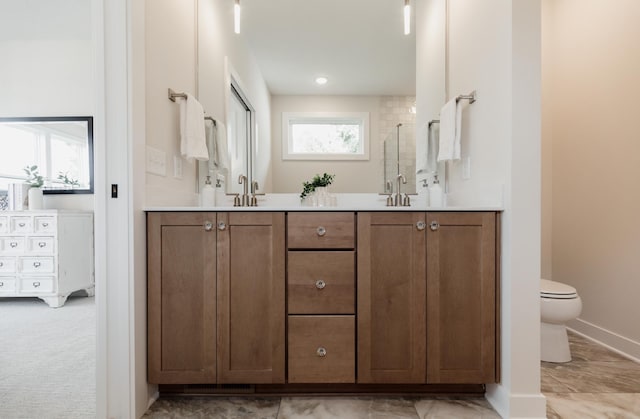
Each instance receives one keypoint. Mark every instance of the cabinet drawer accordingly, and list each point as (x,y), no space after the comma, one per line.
(321,282)
(36,264)
(4,224)
(321,349)
(40,245)
(21,224)
(12,244)
(7,285)
(37,284)
(321,230)
(7,265)
(45,224)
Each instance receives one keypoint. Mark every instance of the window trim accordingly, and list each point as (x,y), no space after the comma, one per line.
(362,118)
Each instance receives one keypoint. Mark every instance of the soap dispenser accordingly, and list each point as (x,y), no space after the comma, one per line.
(435,193)
(208,194)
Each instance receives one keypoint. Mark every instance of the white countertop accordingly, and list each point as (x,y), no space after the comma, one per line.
(345,202)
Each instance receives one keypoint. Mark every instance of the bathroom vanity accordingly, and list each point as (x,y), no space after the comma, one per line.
(335,299)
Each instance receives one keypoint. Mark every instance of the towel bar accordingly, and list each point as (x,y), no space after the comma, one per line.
(173,95)
(471,97)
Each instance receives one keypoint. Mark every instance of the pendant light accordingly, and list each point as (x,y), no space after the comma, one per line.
(407,17)
(236,16)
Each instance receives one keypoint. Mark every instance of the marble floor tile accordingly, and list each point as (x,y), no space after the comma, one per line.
(597,377)
(595,406)
(583,349)
(213,407)
(352,408)
(454,408)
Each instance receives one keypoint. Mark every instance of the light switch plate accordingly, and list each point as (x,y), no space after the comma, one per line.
(156,161)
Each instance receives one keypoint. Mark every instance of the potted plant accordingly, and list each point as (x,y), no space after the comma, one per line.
(68,181)
(35,181)
(317,188)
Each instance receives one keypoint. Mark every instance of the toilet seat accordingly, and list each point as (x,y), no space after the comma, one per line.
(556,290)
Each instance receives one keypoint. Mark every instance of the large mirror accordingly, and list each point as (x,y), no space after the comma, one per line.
(59,149)
(369,66)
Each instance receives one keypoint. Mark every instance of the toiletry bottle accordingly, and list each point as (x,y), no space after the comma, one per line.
(435,193)
(207,194)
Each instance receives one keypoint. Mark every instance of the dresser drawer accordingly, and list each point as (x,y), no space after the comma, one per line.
(12,244)
(321,349)
(321,282)
(44,224)
(321,230)
(36,265)
(7,265)
(4,224)
(21,224)
(43,245)
(7,285)
(38,284)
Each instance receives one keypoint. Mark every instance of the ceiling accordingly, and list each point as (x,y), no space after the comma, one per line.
(359,45)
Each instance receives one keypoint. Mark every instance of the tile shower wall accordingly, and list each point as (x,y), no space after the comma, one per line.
(396,110)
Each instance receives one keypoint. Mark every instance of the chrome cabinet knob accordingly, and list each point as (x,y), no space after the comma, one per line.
(321,231)
(208,225)
(36,284)
(45,224)
(320,284)
(13,244)
(321,352)
(421,225)
(42,244)
(1,284)
(222,226)
(434,225)
(36,264)
(1,264)
(21,224)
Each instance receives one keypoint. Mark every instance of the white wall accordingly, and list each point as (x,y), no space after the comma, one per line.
(493,48)
(47,67)
(592,69)
(351,176)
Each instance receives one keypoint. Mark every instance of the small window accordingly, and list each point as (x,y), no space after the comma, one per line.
(325,136)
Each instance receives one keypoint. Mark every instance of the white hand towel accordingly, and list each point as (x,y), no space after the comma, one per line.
(450,129)
(193,142)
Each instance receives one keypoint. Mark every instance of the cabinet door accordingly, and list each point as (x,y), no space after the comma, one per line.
(391,297)
(181,297)
(251,309)
(461,298)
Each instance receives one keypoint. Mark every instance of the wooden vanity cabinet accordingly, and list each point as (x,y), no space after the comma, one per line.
(391,297)
(461,297)
(251,297)
(181,272)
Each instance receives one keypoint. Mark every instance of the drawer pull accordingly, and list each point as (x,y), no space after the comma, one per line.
(321,352)
(42,244)
(36,284)
(13,244)
(421,225)
(321,231)
(36,264)
(45,224)
(21,224)
(320,284)
(222,226)
(208,225)
(434,225)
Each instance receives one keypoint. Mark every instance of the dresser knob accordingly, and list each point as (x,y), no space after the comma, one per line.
(1,284)
(421,225)
(321,231)
(222,226)
(36,284)
(321,352)
(208,225)
(42,244)
(36,264)
(434,225)
(45,224)
(21,224)
(320,284)
(1,264)
(13,244)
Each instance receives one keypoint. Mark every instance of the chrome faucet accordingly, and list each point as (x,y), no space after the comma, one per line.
(398,199)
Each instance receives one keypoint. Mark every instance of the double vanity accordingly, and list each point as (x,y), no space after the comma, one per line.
(299,299)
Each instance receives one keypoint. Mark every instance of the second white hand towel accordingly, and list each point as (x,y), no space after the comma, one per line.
(450,128)
(193,141)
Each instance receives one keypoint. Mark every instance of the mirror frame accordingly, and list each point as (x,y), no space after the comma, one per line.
(89,121)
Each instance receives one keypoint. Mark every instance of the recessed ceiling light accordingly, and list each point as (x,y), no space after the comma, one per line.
(321,80)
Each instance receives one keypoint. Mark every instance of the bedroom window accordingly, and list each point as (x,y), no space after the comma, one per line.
(325,136)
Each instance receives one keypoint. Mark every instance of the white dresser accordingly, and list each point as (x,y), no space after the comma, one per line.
(46,254)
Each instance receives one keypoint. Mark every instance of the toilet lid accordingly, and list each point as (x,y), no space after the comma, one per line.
(552,289)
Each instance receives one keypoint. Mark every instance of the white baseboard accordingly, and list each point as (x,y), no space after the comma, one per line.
(512,406)
(613,341)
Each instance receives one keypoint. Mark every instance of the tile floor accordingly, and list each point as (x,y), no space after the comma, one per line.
(596,384)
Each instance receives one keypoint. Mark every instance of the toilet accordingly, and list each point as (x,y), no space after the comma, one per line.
(559,303)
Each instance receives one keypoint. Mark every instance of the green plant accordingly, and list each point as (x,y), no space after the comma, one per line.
(308,187)
(33,177)
(64,177)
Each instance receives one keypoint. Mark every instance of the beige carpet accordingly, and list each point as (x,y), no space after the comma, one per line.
(47,359)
